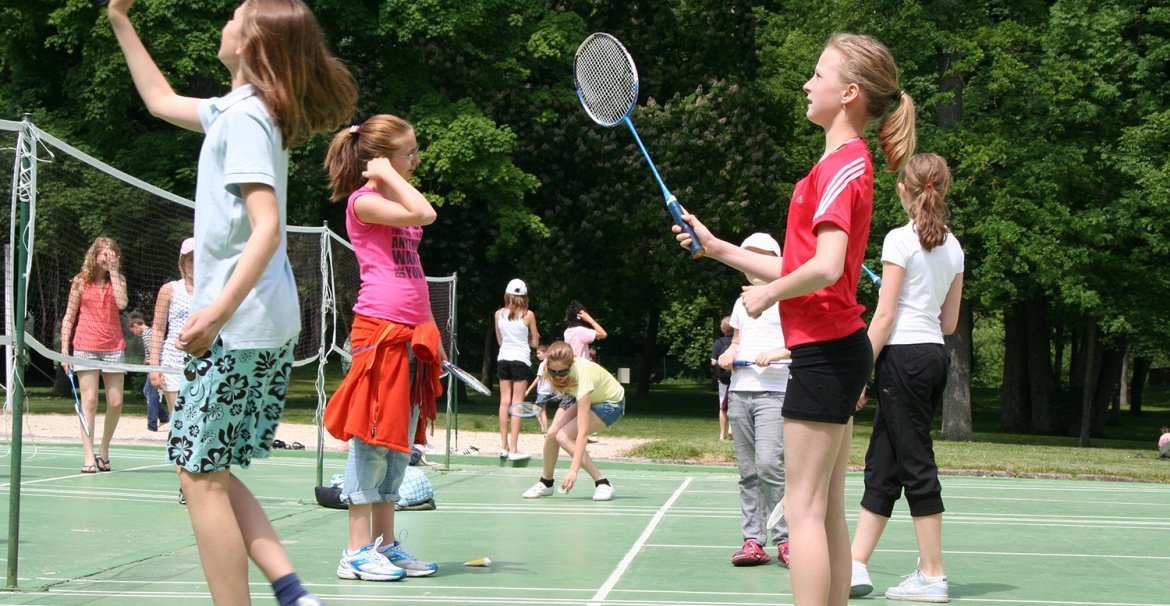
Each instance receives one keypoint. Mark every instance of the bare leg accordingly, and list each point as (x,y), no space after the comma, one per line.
(567,438)
(870,527)
(218,536)
(384,522)
(505,402)
(722,424)
(359,526)
(113,382)
(928,530)
(87,390)
(816,456)
(517,395)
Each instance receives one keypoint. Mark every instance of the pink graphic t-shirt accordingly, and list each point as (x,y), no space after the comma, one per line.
(394,286)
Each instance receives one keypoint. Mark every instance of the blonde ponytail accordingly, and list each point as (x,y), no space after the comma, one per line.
(870,65)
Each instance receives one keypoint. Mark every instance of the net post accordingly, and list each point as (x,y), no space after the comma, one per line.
(25,181)
(322,352)
(453,355)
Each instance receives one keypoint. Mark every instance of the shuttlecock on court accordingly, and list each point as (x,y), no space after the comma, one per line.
(480,562)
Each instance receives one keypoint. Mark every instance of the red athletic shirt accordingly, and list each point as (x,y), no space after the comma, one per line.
(837,191)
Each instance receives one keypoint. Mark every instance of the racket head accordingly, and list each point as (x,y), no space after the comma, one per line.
(467,378)
(776,515)
(525,410)
(606,79)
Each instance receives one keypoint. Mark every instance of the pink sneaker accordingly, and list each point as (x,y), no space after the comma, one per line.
(751,555)
(782,549)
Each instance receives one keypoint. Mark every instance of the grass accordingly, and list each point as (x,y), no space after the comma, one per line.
(682,421)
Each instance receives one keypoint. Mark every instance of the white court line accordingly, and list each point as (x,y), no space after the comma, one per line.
(617,573)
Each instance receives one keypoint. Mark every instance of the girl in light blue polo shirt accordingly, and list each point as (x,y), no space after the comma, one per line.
(244,314)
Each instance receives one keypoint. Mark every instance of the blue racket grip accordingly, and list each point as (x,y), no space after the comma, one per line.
(675,209)
(743,363)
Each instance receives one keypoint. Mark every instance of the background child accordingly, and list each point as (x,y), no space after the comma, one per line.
(155,413)
(1164,443)
(722,375)
(597,402)
(581,330)
(172,309)
(855,82)
(755,405)
(922,285)
(544,389)
(397,349)
(245,316)
(516,334)
(93,327)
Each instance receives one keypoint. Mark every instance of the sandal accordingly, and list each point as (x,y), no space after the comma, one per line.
(102,464)
(89,469)
(296,446)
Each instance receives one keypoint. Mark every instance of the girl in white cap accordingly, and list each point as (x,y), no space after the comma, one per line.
(516,335)
(171,310)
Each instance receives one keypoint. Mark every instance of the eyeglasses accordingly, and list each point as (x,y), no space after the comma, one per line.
(411,155)
(559,373)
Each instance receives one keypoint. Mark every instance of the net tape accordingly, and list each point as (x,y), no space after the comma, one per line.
(607,80)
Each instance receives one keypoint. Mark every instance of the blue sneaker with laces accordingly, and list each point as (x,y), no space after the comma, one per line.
(368,565)
(400,557)
(920,588)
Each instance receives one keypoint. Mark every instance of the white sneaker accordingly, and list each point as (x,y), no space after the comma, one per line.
(603,492)
(504,454)
(368,565)
(518,456)
(861,584)
(538,490)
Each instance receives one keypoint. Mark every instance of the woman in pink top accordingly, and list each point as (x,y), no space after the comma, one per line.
(582,330)
(93,327)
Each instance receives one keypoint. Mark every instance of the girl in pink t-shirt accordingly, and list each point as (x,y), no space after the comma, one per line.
(581,330)
(384,219)
(854,83)
(93,327)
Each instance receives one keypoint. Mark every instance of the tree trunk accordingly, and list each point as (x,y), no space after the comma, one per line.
(1088,391)
(649,349)
(956,420)
(1039,365)
(1141,370)
(1058,347)
(1015,408)
(489,349)
(1108,376)
(1122,400)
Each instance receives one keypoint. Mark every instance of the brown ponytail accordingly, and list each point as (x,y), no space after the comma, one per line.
(354,146)
(927,180)
(870,65)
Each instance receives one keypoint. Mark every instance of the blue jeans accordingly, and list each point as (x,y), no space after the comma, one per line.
(156,408)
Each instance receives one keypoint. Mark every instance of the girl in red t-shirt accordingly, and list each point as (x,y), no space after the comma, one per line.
(854,83)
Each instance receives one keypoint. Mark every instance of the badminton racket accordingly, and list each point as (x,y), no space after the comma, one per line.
(527,410)
(776,515)
(607,85)
(467,378)
(77,405)
(872,276)
(752,363)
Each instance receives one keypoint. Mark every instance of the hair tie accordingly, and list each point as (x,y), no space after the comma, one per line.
(928,186)
(900,93)
(355,129)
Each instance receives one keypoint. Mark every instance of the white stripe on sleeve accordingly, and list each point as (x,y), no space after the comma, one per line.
(848,173)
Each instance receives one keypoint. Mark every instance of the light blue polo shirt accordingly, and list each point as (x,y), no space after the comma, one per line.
(242,145)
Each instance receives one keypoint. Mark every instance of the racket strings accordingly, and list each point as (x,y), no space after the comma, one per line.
(606,80)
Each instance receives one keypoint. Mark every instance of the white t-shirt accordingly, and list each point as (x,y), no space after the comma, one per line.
(543,386)
(928,278)
(242,145)
(513,338)
(757,335)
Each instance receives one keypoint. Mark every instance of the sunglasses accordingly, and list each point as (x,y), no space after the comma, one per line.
(559,373)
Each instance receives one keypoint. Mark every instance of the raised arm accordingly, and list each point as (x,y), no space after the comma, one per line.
(118,281)
(161,100)
(584,315)
(399,204)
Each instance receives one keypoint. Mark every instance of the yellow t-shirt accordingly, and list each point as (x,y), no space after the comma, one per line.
(596,382)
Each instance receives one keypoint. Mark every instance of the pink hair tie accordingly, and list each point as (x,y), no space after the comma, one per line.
(355,129)
(928,186)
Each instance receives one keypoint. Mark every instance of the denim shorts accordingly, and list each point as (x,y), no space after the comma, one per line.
(373,474)
(108,357)
(609,412)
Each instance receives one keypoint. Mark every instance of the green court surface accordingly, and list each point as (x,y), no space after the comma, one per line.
(122,539)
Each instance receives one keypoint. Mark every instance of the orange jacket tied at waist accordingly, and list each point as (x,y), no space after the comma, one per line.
(373,402)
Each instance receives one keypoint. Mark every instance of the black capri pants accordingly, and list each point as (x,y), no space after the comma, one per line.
(910,382)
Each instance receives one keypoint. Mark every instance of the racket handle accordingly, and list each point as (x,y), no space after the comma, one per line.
(743,363)
(675,209)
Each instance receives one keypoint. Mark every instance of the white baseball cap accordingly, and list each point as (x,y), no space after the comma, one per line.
(187,246)
(516,287)
(762,241)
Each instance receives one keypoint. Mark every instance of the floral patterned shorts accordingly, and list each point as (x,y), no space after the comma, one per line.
(228,407)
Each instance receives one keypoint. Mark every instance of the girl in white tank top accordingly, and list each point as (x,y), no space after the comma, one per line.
(516,334)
